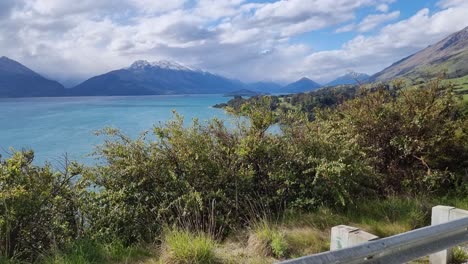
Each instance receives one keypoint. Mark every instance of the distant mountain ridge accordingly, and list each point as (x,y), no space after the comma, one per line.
(350,78)
(243,92)
(302,85)
(17,80)
(152,78)
(449,55)
(265,87)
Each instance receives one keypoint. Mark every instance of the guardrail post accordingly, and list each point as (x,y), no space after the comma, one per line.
(400,248)
(343,236)
(441,214)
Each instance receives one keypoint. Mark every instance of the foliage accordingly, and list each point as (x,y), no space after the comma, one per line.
(208,177)
(304,102)
(39,207)
(414,138)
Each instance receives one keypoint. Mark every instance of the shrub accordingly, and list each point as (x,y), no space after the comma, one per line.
(204,177)
(39,207)
(414,138)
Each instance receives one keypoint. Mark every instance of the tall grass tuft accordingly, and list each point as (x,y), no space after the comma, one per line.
(91,252)
(459,255)
(183,247)
(267,240)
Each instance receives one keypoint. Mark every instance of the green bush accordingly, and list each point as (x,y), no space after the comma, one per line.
(415,139)
(38,207)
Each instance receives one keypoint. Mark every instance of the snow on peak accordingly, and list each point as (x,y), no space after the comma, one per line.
(139,64)
(162,64)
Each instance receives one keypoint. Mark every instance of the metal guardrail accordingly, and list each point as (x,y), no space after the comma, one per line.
(400,248)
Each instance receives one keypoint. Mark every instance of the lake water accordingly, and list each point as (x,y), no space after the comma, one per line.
(55,126)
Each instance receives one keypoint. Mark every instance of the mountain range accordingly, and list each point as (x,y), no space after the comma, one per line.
(265,87)
(349,78)
(449,55)
(149,78)
(17,80)
(300,86)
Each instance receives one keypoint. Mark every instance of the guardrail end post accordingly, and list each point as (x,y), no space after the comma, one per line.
(343,236)
(441,214)
(340,236)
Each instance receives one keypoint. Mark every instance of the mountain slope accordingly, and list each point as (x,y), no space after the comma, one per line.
(265,87)
(300,86)
(163,77)
(16,80)
(449,55)
(350,78)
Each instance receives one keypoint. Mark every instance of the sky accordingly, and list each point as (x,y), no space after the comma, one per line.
(249,40)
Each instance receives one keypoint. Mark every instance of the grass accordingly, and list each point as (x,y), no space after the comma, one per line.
(183,247)
(92,252)
(304,241)
(300,234)
(293,235)
(459,256)
(267,240)
(460,82)
(460,85)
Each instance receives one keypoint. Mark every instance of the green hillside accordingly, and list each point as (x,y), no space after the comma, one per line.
(461,86)
(448,56)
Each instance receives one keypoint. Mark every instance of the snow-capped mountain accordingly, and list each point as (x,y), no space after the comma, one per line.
(162,64)
(161,77)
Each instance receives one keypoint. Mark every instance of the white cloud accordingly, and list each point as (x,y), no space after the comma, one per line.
(393,42)
(249,41)
(346,28)
(370,22)
(152,6)
(215,9)
(298,16)
(382,8)
(452,3)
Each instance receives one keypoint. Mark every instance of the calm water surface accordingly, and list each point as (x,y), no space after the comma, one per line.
(55,126)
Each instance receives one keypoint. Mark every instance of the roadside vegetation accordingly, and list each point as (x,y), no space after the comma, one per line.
(378,158)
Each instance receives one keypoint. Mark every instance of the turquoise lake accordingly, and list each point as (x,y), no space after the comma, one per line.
(55,126)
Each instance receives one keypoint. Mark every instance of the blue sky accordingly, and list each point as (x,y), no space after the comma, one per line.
(256,40)
(328,38)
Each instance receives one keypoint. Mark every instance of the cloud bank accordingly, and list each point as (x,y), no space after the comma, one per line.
(70,41)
